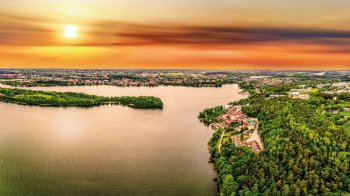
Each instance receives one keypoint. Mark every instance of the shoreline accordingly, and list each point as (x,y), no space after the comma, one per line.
(211,163)
(121,86)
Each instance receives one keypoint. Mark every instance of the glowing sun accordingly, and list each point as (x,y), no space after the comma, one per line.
(70,31)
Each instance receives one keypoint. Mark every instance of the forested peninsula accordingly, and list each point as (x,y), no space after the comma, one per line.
(305,151)
(71,99)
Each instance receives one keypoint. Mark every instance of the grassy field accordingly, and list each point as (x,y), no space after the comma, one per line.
(346,113)
(38,95)
(226,139)
(347,127)
(313,91)
(175,75)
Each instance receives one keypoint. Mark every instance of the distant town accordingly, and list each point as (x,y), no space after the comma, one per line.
(116,78)
(152,78)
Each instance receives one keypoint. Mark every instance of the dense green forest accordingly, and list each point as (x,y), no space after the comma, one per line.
(57,99)
(208,116)
(37,83)
(305,152)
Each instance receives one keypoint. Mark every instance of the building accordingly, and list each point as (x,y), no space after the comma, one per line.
(276,96)
(334,112)
(246,132)
(299,95)
(251,124)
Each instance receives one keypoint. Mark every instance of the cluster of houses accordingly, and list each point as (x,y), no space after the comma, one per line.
(254,145)
(335,112)
(341,87)
(243,122)
(299,93)
(235,114)
(268,80)
(295,94)
(111,78)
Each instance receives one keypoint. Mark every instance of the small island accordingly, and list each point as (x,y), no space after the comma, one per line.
(71,99)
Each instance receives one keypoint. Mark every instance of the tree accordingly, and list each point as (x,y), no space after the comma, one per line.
(229,185)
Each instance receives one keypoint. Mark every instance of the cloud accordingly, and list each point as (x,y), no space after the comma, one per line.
(29,31)
(136,34)
(233,35)
(23,30)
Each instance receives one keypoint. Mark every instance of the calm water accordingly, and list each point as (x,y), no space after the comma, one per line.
(110,150)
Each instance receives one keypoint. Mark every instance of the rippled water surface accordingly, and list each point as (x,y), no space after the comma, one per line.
(110,150)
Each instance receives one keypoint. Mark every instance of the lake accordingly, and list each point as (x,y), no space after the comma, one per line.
(110,150)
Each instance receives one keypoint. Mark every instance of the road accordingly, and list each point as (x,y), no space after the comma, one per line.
(255,136)
(222,136)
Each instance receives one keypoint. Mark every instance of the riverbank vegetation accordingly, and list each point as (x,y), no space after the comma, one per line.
(305,153)
(67,99)
(209,115)
(45,83)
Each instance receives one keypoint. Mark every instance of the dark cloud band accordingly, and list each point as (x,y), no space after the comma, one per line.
(19,30)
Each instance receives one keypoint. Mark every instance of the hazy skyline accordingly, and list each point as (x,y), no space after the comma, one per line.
(273,34)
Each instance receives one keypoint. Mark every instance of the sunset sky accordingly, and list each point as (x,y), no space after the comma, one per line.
(218,34)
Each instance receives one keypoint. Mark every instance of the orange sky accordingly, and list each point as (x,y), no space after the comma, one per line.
(216,34)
